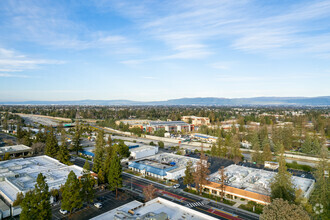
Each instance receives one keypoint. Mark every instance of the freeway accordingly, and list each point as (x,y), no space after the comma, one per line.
(215,209)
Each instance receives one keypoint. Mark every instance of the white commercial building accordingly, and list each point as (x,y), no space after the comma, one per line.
(15,150)
(164,166)
(157,208)
(19,175)
(143,151)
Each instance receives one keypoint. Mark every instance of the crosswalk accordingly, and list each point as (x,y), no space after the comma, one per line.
(194,204)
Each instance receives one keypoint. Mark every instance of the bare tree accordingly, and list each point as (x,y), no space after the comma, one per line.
(38,148)
(201,173)
(149,192)
(223,178)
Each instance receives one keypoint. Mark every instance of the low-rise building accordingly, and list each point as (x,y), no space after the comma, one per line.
(163,166)
(197,121)
(251,184)
(156,209)
(143,151)
(19,175)
(205,137)
(169,126)
(15,150)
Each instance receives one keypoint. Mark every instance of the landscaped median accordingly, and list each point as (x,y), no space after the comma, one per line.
(210,196)
(252,207)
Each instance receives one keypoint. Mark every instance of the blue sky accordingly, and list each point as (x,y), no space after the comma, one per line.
(159,50)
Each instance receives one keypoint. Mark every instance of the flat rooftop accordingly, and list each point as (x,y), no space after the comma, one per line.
(142,148)
(19,175)
(158,207)
(14,148)
(257,180)
(168,123)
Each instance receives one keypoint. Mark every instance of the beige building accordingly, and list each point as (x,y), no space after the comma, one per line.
(197,121)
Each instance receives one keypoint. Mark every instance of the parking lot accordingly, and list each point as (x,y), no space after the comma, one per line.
(108,200)
(5,137)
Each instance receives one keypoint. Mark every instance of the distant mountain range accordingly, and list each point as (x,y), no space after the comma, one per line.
(211,101)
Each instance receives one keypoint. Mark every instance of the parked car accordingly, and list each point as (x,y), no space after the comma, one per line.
(64,212)
(98,205)
(176,186)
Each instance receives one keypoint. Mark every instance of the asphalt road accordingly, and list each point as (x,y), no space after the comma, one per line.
(215,209)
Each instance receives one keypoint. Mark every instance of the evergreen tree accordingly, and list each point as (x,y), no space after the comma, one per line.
(267,153)
(256,156)
(321,193)
(87,184)
(28,205)
(71,197)
(77,139)
(235,149)
(36,203)
(42,195)
(99,152)
(51,144)
(281,185)
(114,176)
(63,154)
(101,177)
(214,151)
(188,178)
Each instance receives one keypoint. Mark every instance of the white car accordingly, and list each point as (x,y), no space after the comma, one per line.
(64,212)
(176,186)
(98,205)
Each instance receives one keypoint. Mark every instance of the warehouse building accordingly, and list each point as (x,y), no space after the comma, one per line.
(15,150)
(252,184)
(157,208)
(143,151)
(205,137)
(163,166)
(19,175)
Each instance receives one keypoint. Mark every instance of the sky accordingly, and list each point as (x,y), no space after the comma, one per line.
(159,50)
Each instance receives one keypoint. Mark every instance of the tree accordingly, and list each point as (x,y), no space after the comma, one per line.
(189,178)
(42,196)
(101,177)
(99,152)
(256,156)
(71,197)
(235,149)
(19,199)
(161,144)
(6,156)
(51,144)
(36,203)
(149,192)
(201,172)
(281,185)
(28,205)
(77,139)
(281,209)
(87,184)
(63,154)
(321,192)
(122,149)
(267,153)
(38,148)
(223,178)
(114,176)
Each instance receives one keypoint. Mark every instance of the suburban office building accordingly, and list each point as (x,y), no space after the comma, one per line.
(156,209)
(197,121)
(163,166)
(169,126)
(143,151)
(252,184)
(15,150)
(19,175)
